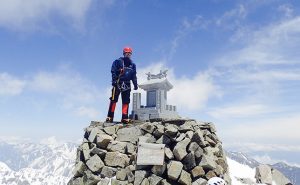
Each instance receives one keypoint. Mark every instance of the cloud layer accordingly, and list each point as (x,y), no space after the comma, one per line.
(31,15)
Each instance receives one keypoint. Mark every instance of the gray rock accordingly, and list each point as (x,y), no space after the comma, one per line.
(174,169)
(117,146)
(108,171)
(200,181)
(103,182)
(189,134)
(164,140)
(77,181)
(189,161)
(154,179)
(159,169)
(193,147)
(103,140)
(187,126)
(130,175)
(145,182)
(79,169)
(86,151)
(222,163)
(159,131)
(99,152)
(180,137)
(263,174)
(198,172)
(164,182)
(169,153)
(208,163)
(211,142)
(121,174)
(148,127)
(198,138)
(210,174)
(130,148)
(90,178)
(139,177)
(171,130)
(110,130)
(116,159)
(279,178)
(129,134)
(118,182)
(95,163)
(185,178)
(180,149)
(94,133)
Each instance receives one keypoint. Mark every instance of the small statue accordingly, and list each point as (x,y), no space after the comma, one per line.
(160,75)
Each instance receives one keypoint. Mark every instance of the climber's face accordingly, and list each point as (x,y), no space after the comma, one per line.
(127,54)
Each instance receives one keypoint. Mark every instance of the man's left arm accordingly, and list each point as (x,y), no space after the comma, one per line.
(134,78)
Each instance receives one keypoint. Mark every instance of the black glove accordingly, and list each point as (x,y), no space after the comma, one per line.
(114,83)
(136,87)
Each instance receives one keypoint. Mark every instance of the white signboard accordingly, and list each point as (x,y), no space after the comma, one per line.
(150,154)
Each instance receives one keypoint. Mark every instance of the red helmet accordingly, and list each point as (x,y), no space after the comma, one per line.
(127,50)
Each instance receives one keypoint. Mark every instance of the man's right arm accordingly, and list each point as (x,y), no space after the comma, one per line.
(114,72)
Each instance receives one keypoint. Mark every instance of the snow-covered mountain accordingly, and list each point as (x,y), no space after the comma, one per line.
(246,162)
(51,163)
(46,163)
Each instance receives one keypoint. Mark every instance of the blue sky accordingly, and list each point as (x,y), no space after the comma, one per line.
(234,63)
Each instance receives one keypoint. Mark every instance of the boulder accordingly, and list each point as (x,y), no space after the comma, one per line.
(200,181)
(263,174)
(174,170)
(79,169)
(95,163)
(130,134)
(185,178)
(189,161)
(198,172)
(103,140)
(279,178)
(116,159)
(117,146)
(108,171)
(180,149)
(154,179)
(139,177)
(121,174)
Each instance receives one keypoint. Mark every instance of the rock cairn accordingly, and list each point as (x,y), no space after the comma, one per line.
(193,154)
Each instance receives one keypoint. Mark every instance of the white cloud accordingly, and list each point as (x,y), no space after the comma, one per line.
(10,85)
(262,147)
(28,15)
(231,19)
(88,111)
(279,129)
(276,43)
(242,110)
(66,82)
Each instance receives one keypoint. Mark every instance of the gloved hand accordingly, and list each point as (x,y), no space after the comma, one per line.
(136,87)
(114,83)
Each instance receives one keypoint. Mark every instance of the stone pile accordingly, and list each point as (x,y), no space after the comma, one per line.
(193,154)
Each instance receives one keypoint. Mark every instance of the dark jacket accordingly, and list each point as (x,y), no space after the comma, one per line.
(124,70)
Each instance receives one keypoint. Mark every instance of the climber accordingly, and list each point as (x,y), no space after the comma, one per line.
(216,181)
(122,70)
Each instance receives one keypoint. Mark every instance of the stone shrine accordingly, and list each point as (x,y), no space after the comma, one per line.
(156,106)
